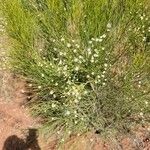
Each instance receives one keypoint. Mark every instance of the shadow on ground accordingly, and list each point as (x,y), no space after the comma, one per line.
(15,143)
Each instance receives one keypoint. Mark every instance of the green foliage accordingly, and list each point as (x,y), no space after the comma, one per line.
(87,61)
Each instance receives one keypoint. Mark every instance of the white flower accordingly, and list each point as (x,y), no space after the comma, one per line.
(85,92)
(76,60)
(39,87)
(105,65)
(69,82)
(42,75)
(109,25)
(103,48)
(104,83)
(96,82)
(77,68)
(75,112)
(96,50)
(98,76)
(68,45)
(79,97)
(92,73)
(53,105)
(96,39)
(51,92)
(58,132)
(56,84)
(92,60)
(81,57)
(141,17)
(67,113)
(95,55)
(55,49)
(91,140)
(89,52)
(88,76)
(144,39)
(76,115)
(100,40)
(78,46)
(76,101)
(54,96)
(60,62)
(68,93)
(104,35)
(141,114)
(61,53)
(88,49)
(54,40)
(74,50)
(144,91)
(90,42)
(62,39)
(82,118)
(65,68)
(76,122)
(102,76)
(106,58)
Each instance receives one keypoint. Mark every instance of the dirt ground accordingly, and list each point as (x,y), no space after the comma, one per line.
(15,121)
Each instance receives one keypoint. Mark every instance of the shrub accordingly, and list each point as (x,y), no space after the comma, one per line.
(86,61)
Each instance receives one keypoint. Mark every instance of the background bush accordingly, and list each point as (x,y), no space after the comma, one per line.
(86,61)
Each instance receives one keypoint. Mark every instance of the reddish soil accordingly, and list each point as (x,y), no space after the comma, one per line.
(139,141)
(15,121)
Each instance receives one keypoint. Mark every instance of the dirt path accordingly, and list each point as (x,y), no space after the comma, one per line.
(14,117)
